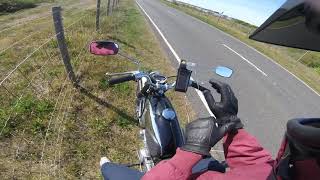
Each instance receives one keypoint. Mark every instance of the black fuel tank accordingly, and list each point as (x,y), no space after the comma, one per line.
(162,128)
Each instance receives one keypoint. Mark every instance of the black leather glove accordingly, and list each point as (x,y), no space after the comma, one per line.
(225,111)
(203,134)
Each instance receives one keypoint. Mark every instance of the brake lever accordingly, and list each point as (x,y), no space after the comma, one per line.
(171,86)
(196,85)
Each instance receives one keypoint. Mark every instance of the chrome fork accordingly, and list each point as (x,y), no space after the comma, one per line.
(144,154)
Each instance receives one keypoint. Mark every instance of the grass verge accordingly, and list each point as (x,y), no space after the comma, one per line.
(56,131)
(306,68)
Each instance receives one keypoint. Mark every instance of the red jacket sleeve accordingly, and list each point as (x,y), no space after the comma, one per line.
(178,167)
(244,155)
(243,149)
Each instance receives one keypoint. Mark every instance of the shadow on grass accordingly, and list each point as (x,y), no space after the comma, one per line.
(113,38)
(122,42)
(104,103)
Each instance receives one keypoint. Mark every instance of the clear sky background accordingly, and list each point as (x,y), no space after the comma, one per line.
(252,11)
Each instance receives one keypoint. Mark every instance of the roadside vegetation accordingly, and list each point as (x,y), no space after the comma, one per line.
(51,130)
(304,64)
(10,6)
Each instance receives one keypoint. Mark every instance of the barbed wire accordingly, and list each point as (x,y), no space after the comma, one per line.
(80,53)
(43,162)
(49,124)
(62,104)
(26,58)
(17,152)
(42,6)
(4,87)
(21,95)
(32,34)
(61,122)
(59,131)
(38,18)
(38,48)
(23,39)
(19,144)
(71,100)
(24,23)
(18,148)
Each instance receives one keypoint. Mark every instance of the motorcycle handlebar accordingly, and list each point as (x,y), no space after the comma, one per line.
(122,79)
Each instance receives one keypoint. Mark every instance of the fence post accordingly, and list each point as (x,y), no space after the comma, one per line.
(98,16)
(108,8)
(113,3)
(56,13)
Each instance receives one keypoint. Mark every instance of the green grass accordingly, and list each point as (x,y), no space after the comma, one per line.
(78,127)
(30,108)
(306,69)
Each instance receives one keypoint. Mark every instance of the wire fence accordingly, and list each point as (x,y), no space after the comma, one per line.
(36,90)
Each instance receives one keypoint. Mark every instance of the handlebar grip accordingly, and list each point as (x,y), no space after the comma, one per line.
(122,79)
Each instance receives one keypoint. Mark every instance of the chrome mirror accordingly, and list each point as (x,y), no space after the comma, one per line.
(104,48)
(224,71)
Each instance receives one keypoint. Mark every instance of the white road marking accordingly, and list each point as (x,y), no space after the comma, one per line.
(249,62)
(175,55)
(304,83)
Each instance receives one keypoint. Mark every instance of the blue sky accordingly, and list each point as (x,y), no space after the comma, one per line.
(252,11)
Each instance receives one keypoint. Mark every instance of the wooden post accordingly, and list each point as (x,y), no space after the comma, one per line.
(98,16)
(109,11)
(58,25)
(113,4)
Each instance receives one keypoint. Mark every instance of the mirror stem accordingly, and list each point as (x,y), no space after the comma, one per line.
(135,61)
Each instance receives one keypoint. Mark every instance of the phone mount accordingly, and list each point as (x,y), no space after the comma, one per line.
(183,77)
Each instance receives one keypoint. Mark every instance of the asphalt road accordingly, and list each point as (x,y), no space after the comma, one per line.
(268,95)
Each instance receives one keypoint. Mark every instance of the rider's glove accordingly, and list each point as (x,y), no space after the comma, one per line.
(225,111)
(203,134)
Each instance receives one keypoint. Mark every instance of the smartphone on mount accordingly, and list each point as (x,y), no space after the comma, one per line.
(183,77)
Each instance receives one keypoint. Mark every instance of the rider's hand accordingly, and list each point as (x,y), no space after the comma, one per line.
(225,111)
(203,134)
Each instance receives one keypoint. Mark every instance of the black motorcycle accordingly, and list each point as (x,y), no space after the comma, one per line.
(160,130)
